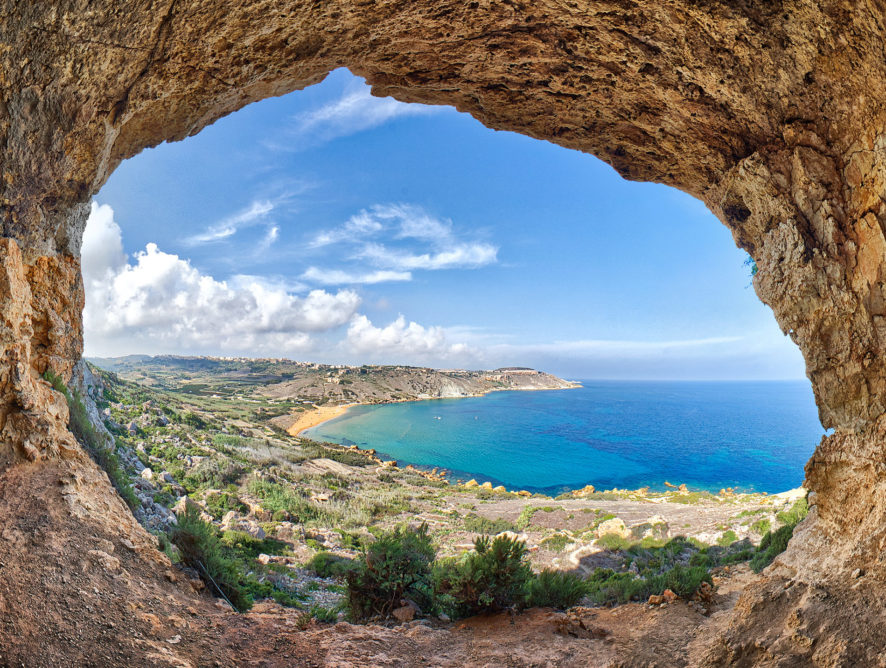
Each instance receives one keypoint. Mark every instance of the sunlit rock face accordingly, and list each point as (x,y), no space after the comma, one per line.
(771,113)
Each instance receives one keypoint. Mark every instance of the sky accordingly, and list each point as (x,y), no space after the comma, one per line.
(332,226)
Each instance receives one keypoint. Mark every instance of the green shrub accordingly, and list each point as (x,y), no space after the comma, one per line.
(762,526)
(727,538)
(249,547)
(276,497)
(214,473)
(202,550)
(795,514)
(612,541)
(337,453)
(477,524)
(774,543)
(328,565)
(495,576)
(218,505)
(607,587)
(556,589)
(556,542)
(95,443)
(396,566)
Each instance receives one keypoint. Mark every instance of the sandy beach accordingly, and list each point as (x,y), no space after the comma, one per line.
(317,416)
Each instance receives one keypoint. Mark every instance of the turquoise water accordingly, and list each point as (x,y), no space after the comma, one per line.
(708,435)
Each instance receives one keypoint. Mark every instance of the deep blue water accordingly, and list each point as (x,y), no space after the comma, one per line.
(708,435)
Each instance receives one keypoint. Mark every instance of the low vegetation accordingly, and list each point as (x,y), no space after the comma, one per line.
(95,443)
(322,527)
(776,542)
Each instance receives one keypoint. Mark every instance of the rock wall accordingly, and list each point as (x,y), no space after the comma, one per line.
(770,113)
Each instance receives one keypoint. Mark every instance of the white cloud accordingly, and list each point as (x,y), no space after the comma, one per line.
(406,222)
(357,227)
(269,240)
(256,213)
(158,301)
(355,111)
(468,255)
(402,342)
(339,277)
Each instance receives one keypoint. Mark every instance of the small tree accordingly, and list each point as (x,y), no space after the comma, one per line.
(495,576)
(394,567)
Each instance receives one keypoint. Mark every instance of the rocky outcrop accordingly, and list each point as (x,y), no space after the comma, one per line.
(768,112)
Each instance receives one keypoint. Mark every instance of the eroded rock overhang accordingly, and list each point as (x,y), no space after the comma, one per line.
(770,113)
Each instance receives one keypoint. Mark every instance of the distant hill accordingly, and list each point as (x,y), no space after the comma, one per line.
(320,383)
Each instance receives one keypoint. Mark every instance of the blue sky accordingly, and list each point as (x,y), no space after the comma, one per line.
(333,226)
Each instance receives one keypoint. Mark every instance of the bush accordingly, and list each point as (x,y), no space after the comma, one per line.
(612,541)
(218,505)
(495,576)
(556,589)
(202,550)
(556,542)
(607,587)
(214,473)
(192,419)
(727,538)
(774,543)
(95,443)
(795,514)
(328,565)
(248,546)
(396,566)
(478,524)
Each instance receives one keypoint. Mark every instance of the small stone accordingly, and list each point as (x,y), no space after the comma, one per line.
(669,596)
(405,613)
(655,599)
(857,573)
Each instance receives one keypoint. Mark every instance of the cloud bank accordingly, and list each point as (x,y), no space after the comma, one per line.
(159,302)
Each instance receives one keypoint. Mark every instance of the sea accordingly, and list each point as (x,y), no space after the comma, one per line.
(752,436)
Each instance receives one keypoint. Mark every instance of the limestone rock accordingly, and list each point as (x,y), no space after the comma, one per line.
(614,526)
(767,112)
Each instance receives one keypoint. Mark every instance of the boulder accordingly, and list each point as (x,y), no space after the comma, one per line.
(614,526)
(654,527)
(404,614)
(472,483)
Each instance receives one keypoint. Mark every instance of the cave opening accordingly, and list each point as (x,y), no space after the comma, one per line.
(336,227)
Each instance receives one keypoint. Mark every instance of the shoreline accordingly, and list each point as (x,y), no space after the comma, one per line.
(320,414)
(317,416)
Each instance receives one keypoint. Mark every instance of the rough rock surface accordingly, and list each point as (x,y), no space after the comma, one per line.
(770,113)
